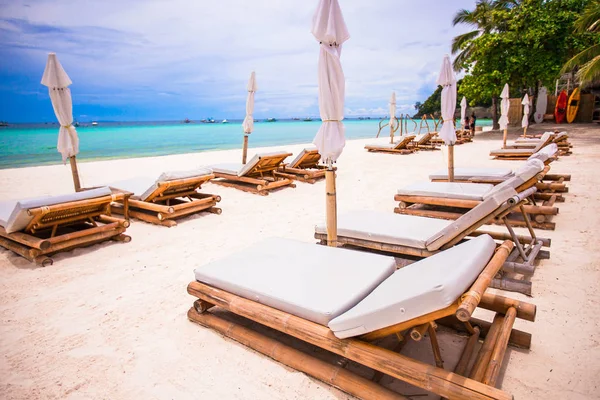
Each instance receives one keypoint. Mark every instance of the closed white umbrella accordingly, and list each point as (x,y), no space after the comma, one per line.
(329,28)
(504,106)
(392,115)
(463,112)
(525,120)
(57,81)
(248,123)
(447,80)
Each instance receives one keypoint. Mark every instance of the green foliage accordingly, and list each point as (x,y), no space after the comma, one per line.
(520,42)
(432,105)
(588,61)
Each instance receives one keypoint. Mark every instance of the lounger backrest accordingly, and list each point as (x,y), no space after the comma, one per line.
(405,140)
(263,162)
(467,222)
(418,289)
(529,170)
(545,153)
(186,178)
(544,140)
(307,158)
(19,218)
(423,139)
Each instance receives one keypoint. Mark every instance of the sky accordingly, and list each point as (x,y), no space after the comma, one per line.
(148,60)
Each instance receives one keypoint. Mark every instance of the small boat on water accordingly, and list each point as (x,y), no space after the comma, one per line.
(308,119)
(225,121)
(271,119)
(94,123)
(295,119)
(186,121)
(3,123)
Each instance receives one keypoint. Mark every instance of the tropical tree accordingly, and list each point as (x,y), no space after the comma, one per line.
(588,60)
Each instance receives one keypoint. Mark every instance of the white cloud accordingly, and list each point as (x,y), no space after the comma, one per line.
(202,52)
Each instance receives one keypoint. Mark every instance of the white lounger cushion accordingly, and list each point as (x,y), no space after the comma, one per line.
(174,175)
(413,231)
(447,190)
(474,172)
(384,143)
(545,153)
(522,175)
(313,282)
(240,169)
(418,289)
(14,216)
(385,227)
(298,158)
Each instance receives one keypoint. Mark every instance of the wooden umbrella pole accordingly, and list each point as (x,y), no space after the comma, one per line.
(245,149)
(76,181)
(391,130)
(525,132)
(331,205)
(451,162)
(504,138)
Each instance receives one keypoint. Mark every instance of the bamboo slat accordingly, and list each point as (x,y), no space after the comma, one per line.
(497,356)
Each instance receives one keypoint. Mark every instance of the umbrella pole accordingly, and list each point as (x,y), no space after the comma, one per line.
(504,138)
(76,182)
(525,132)
(331,206)
(391,130)
(245,149)
(451,162)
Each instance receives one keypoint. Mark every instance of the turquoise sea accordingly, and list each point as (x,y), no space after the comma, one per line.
(23,145)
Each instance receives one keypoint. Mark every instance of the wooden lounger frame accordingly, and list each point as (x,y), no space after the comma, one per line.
(173,199)
(307,169)
(439,207)
(259,180)
(526,250)
(507,155)
(425,143)
(478,383)
(402,147)
(65,226)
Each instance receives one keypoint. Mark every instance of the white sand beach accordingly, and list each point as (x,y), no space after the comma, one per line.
(109,321)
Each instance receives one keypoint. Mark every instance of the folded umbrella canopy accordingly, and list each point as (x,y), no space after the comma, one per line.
(525,120)
(463,112)
(329,28)
(504,106)
(57,81)
(447,80)
(248,124)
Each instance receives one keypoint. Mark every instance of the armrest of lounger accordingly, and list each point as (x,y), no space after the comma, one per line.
(471,299)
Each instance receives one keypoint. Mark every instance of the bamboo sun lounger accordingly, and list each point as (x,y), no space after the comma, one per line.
(558,138)
(522,154)
(39,227)
(173,195)
(550,189)
(419,236)
(304,168)
(257,176)
(354,305)
(451,199)
(423,142)
(399,147)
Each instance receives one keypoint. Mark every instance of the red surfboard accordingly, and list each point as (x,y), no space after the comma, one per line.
(560,111)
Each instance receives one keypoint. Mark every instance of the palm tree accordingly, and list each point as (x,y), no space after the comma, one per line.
(480,19)
(589,59)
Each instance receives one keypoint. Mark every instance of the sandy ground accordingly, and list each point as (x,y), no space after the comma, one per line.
(110,322)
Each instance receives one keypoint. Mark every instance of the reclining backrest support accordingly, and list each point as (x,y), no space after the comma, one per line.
(463,225)
(307,158)
(263,162)
(544,140)
(545,153)
(522,175)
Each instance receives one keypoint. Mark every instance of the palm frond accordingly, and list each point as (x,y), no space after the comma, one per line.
(460,59)
(463,16)
(590,71)
(582,58)
(459,41)
(589,20)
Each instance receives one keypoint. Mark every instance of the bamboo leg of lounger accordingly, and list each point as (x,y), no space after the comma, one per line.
(435,346)
(396,365)
(517,338)
(493,369)
(335,376)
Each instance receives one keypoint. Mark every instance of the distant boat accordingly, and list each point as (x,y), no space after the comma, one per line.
(271,119)
(186,121)
(94,123)
(295,119)
(224,121)
(208,120)
(308,119)
(3,123)
(255,120)
(76,124)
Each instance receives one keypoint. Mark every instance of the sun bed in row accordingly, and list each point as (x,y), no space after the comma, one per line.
(345,301)
(451,199)
(171,196)
(521,154)
(304,168)
(256,176)
(39,227)
(419,236)
(550,188)
(401,146)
